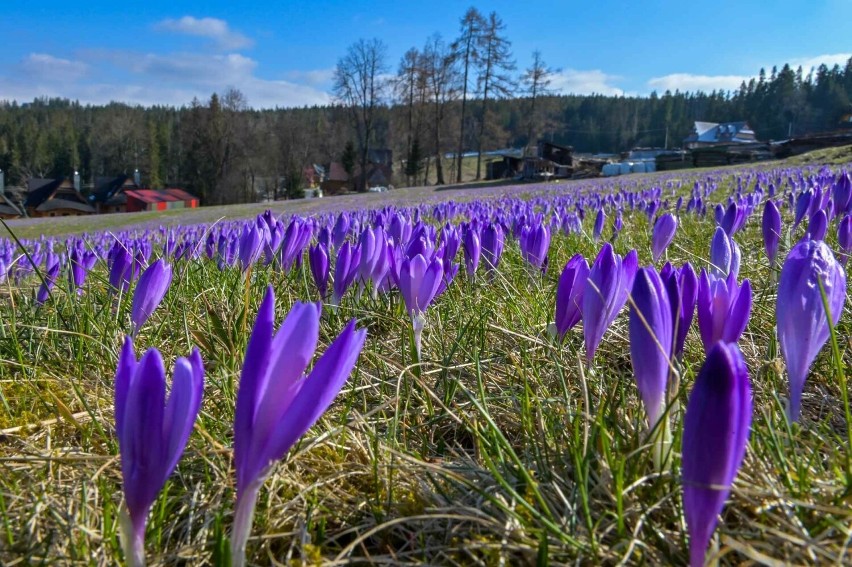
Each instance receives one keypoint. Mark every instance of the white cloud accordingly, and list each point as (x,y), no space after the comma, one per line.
(707,83)
(210,28)
(571,81)
(170,79)
(314,78)
(689,82)
(830,59)
(44,67)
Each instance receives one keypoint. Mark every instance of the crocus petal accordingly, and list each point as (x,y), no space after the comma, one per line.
(651,340)
(255,370)
(182,408)
(801,319)
(715,433)
(318,392)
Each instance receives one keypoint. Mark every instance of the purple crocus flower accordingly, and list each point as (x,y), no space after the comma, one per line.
(569,294)
(600,219)
(318,259)
(844,238)
(251,245)
(152,432)
(682,286)
(724,308)
(121,265)
(276,404)
(817,226)
(150,290)
(803,203)
(535,242)
(609,282)
(345,270)
(663,234)
(801,318)
(651,339)
(715,434)
(493,242)
(50,277)
(771,230)
(419,283)
(472,250)
(724,255)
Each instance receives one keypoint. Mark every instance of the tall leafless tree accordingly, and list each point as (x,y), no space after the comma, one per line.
(495,65)
(536,80)
(444,84)
(466,49)
(359,85)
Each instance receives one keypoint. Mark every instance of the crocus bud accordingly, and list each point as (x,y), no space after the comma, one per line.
(844,238)
(150,290)
(493,241)
(472,250)
(600,219)
(715,434)
(152,432)
(818,226)
(664,232)
(771,230)
(251,245)
(809,269)
(651,338)
(318,260)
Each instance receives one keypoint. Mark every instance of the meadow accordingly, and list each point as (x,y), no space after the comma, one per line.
(498,443)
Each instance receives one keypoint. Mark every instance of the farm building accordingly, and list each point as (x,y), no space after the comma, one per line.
(167,199)
(507,166)
(56,198)
(711,134)
(109,195)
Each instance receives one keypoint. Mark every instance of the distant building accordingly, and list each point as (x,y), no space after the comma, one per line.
(337,179)
(711,133)
(8,208)
(166,199)
(109,195)
(56,198)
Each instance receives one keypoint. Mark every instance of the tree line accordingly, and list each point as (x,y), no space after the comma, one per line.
(448,97)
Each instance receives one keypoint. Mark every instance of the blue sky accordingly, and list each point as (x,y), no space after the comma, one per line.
(282,53)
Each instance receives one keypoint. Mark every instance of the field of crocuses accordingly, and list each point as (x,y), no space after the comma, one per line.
(645,371)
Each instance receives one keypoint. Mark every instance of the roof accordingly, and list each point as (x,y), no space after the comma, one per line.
(711,132)
(9,210)
(107,187)
(58,204)
(40,190)
(164,196)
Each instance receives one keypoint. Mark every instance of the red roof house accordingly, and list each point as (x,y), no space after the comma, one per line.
(150,200)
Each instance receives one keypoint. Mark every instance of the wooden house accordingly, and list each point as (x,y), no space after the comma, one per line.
(336,181)
(56,198)
(109,195)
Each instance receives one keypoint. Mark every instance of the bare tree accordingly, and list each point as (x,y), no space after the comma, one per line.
(444,83)
(360,84)
(495,64)
(536,81)
(466,51)
(410,87)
